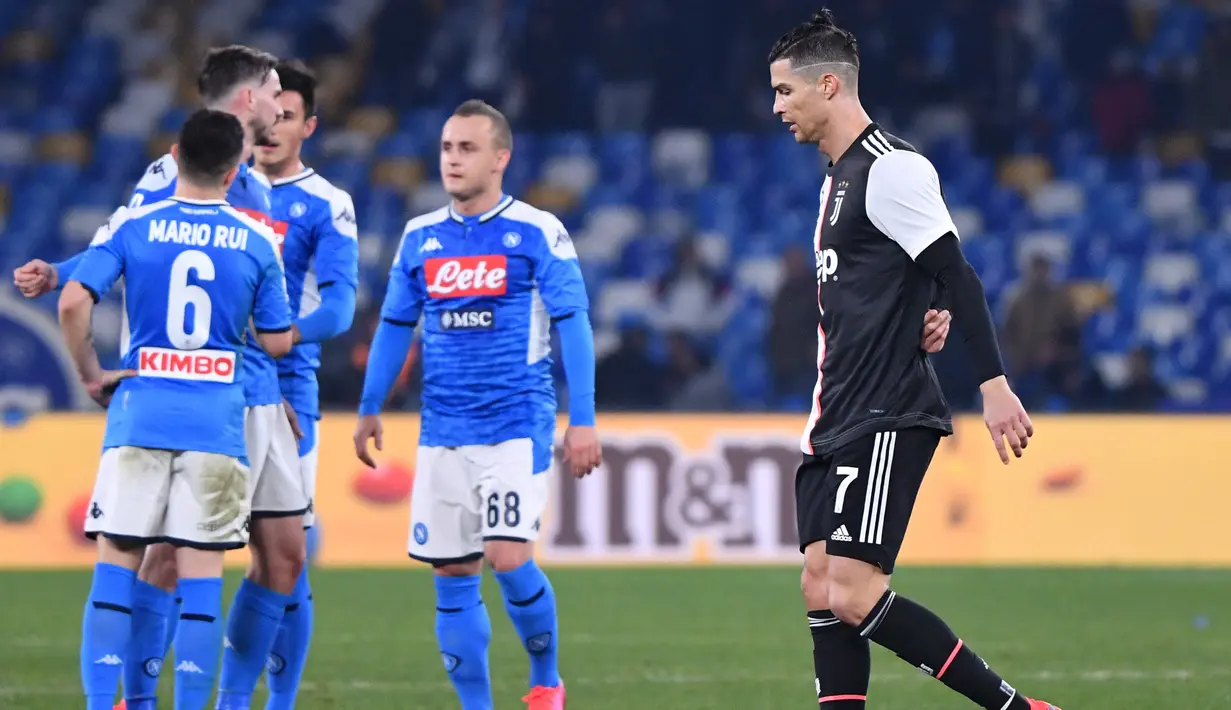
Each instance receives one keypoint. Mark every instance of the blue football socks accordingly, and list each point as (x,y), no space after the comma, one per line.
(105,630)
(290,649)
(198,642)
(152,611)
(464,632)
(251,627)
(531,604)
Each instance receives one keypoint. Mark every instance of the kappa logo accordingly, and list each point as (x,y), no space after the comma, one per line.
(187,666)
(431,244)
(109,660)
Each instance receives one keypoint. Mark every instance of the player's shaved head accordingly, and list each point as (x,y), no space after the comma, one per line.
(228,68)
(502,132)
(209,148)
(819,46)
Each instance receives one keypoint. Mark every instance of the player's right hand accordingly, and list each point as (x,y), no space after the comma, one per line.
(582,451)
(369,427)
(35,277)
(1005,418)
(106,385)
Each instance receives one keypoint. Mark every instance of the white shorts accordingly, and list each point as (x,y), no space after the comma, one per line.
(277,485)
(186,498)
(466,495)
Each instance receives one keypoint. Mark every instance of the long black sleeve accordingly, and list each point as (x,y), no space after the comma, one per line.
(964,296)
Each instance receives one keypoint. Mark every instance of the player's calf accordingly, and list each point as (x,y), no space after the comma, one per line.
(861,597)
(279,549)
(464,632)
(841,657)
(155,616)
(531,605)
(107,622)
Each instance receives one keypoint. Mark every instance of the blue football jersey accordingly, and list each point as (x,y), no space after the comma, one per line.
(194,273)
(250,194)
(315,222)
(486,289)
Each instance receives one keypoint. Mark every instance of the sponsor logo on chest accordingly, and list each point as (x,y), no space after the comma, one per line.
(195,365)
(476,319)
(461,276)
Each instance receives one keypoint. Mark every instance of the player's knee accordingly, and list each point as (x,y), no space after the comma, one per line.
(854,589)
(814,580)
(507,555)
(459,569)
(279,552)
(158,567)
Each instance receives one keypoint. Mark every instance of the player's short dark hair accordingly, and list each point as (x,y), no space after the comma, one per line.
(502,132)
(210,145)
(297,77)
(226,68)
(817,41)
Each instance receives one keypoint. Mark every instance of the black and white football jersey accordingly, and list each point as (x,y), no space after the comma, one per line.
(881,206)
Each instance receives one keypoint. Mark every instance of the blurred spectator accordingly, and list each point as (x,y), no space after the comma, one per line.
(624,99)
(1120,107)
(793,320)
(628,378)
(344,360)
(692,384)
(1041,332)
(691,292)
(1211,94)
(1142,391)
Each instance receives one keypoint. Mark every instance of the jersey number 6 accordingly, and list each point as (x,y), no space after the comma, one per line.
(182,294)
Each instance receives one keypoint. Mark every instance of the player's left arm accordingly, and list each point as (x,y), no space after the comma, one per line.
(563,291)
(99,269)
(905,202)
(336,261)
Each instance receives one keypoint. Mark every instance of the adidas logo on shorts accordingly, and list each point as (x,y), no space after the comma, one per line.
(841,534)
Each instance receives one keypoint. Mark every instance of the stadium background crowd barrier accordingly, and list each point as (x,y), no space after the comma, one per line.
(717,489)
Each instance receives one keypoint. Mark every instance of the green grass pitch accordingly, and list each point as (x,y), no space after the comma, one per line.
(702,638)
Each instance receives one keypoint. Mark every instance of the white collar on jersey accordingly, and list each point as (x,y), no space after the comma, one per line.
(501,206)
(306,172)
(189,201)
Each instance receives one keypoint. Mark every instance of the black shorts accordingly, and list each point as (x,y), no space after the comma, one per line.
(858,499)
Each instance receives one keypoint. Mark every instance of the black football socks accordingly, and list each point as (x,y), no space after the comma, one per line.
(923,640)
(843,661)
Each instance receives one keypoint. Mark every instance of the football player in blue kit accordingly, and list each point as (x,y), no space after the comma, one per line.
(173,468)
(315,224)
(243,82)
(486,276)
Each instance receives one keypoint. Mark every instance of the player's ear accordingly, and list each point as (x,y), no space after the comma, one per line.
(230,177)
(503,156)
(309,127)
(175,152)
